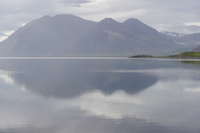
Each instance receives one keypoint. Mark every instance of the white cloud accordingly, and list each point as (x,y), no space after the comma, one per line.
(194,90)
(5,35)
(3,38)
(7,79)
(192,23)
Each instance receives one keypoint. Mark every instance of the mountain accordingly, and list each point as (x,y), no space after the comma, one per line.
(197,49)
(68,35)
(46,36)
(189,41)
(127,38)
(173,34)
(194,39)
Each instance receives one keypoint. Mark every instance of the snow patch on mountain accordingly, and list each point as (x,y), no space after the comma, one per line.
(173,34)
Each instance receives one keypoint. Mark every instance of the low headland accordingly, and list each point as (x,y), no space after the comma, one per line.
(184,55)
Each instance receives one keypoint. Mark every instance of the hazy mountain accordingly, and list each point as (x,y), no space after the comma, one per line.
(193,39)
(128,38)
(173,34)
(197,49)
(46,36)
(189,41)
(67,35)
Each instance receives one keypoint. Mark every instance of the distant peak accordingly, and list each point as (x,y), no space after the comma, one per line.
(43,18)
(65,16)
(173,34)
(39,20)
(108,20)
(132,20)
(46,16)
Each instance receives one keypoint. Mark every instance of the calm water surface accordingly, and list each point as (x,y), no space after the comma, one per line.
(89,95)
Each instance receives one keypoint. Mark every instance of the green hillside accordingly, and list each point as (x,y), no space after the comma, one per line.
(187,55)
(190,54)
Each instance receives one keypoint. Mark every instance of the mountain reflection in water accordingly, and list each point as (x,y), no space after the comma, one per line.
(63,79)
(95,96)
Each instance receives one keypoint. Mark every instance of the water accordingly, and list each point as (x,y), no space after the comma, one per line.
(99,95)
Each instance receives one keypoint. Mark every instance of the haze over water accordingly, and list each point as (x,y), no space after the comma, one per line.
(99,95)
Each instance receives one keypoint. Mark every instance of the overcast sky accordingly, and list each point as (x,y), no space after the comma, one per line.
(164,15)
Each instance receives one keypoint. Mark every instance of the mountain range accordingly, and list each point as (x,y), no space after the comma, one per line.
(68,35)
(190,41)
(173,34)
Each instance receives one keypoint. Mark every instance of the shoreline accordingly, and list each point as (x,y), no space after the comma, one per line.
(167,57)
(184,55)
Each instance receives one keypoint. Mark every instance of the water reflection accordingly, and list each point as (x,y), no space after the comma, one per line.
(90,96)
(191,62)
(63,79)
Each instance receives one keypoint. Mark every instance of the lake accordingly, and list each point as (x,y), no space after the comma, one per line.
(99,95)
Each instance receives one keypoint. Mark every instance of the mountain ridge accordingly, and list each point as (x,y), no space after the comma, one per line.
(173,34)
(191,42)
(68,35)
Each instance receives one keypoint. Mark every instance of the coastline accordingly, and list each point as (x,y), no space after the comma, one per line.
(184,55)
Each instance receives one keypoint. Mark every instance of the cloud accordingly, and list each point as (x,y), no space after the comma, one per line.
(153,13)
(193,28)
(74,3)
(192,24)
(5,35)
(179,27)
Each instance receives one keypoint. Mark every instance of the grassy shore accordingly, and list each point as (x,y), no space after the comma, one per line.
(187,55)
(184,55)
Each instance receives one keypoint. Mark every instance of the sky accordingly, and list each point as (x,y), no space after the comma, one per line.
(182,16)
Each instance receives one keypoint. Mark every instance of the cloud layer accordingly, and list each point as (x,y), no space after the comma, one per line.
(160,14)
